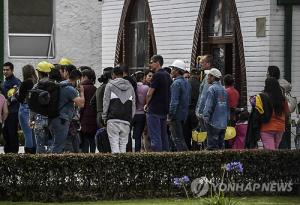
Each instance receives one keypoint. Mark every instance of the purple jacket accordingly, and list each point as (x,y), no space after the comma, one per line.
(88,116)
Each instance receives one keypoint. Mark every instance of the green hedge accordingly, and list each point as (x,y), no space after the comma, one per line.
(128,176)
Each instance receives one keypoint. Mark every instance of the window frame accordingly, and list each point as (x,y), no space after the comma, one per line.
(121,57)
(51,44)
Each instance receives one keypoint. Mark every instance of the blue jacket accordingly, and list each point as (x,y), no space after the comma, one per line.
(216,110)
(202,96)
(180,99)
(9,83)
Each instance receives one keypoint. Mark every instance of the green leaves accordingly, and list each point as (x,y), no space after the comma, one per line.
(133,175)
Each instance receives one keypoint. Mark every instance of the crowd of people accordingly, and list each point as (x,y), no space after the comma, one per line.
(159,108)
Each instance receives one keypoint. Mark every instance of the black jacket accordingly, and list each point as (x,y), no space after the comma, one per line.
(255,120)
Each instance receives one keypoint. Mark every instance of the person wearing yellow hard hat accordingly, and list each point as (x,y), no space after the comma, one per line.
(62,66)
(43,69)
(216,111)
(38,121)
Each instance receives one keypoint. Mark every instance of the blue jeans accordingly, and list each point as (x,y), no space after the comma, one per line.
(59,129)
(215,138)
(42,134)
(176,128)
(24,123)
(157,129)
(139,122)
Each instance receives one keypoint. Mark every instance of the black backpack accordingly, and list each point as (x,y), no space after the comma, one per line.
(44,98)
(102,141)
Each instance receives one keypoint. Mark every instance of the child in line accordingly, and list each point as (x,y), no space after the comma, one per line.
(241,130)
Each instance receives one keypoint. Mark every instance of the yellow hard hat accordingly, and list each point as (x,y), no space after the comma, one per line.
(44,67)
(65,61)
(11,92)
(199,136)
(230,133)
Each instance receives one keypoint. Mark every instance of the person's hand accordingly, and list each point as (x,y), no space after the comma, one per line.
(146,108)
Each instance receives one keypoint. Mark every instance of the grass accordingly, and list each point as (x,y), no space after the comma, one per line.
(276,200)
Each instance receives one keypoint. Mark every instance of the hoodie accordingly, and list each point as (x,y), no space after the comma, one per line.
(118,101)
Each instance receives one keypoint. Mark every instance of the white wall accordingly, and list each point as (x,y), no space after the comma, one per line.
(256,49)
(77,34)
(111,15)
(174,24)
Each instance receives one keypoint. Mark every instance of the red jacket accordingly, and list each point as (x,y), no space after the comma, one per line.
(88,116)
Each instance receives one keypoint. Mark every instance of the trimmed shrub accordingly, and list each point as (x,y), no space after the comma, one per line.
(127,176)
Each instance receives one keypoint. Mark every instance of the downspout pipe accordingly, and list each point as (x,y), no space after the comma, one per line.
(288,37)
(1,38)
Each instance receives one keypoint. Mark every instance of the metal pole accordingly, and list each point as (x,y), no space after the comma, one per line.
(1,38)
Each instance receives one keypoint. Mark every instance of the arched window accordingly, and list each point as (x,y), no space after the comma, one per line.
(136,43)
(218,33)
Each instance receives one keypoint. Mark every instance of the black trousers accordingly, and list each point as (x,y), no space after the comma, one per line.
(190,124)
(10,134)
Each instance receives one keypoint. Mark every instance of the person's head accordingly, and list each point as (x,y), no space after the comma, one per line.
(74,77)
(117,72)
(206,62)
(67,71)
(8,69)
(167,69)
(55,74)
(274,72)
(186,75)
(65,61)
(148,76)
(156,62)
(88,75)
(106,76)
(178,68)
(195,73)
(228,80)
(214,75)
(273,90)
(43,69)
(28,72)
(62,69)
(139,76)
(82,68)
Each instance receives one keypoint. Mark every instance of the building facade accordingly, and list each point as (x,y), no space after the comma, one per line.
(244,36)
(36,30)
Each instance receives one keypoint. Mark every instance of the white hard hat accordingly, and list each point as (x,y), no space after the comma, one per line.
(215,72)
(179,64)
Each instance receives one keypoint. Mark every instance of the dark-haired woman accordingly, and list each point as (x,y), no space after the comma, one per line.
(29,79)
(272,131)
(139,120)
(87,114)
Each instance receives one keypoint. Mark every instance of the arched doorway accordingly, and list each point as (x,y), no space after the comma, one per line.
(218,33)
(136,42)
